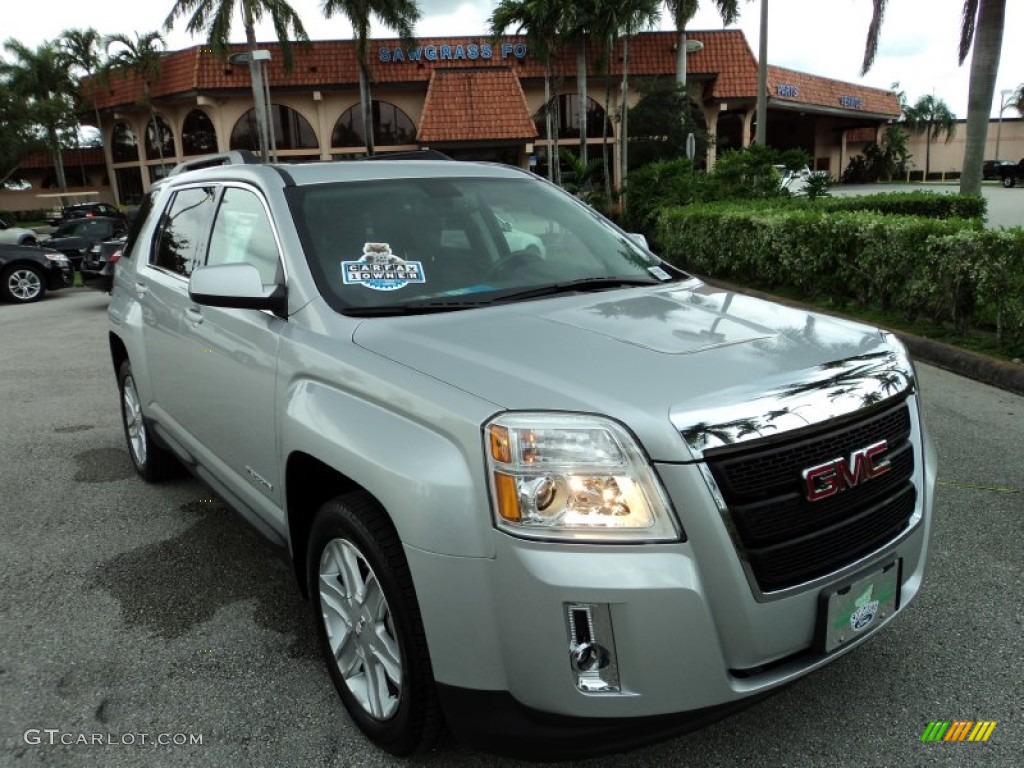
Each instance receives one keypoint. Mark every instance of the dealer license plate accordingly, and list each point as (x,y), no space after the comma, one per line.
(853,610)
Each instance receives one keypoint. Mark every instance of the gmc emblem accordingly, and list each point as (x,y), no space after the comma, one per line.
(840,474)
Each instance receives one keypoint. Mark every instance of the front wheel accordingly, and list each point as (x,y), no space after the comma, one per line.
(22,283)
(1009,181)
(369,627)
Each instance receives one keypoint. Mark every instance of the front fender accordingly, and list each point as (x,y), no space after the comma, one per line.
(430,482)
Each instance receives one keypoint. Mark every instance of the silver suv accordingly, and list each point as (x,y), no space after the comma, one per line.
(540,486)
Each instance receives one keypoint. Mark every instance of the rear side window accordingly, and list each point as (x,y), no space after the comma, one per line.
(145,208)
(183,230)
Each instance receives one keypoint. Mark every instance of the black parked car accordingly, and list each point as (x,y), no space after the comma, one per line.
(75,238)
(992,169)
(86,211)
(28,272)
(98,264)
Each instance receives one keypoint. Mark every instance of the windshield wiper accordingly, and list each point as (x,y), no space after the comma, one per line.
(581,285)
(413,308)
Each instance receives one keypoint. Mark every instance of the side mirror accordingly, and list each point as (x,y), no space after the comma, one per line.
(236,286)
(639,239)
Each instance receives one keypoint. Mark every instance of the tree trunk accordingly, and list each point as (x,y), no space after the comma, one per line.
(624,127)
(927,154)
(581,95)
(547,120)
(761,132)
(111,176)
(366,107)
(604,124)
(58,164)
(256,76)
(681,58)
(988,41)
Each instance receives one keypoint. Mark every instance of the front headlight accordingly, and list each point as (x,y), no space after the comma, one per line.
(60,258)
(576,477)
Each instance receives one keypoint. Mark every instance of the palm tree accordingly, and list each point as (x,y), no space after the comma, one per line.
(931,116)
(982,23)
(141,57)
(82,52)
(399,15)
(577,25)
(41,81)
(683,12)
(636,15)
(542,22)
(214,17)
(1016,100)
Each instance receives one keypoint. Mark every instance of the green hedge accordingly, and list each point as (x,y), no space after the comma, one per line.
(946,269)
(931,204)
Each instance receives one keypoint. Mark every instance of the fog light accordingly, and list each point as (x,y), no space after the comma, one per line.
(592,647)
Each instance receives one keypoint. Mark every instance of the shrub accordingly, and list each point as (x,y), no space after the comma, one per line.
(948,269)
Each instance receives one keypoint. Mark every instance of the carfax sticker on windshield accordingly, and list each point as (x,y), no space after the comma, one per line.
(381,270)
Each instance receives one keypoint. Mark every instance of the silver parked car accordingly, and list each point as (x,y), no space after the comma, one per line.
(559,502)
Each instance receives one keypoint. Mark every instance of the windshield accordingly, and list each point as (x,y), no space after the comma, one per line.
(457,242)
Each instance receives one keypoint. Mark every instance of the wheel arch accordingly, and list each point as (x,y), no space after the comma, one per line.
(309,484)
(118,351)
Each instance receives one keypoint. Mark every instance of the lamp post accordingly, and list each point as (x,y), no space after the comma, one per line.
(261,98)
(1003,104)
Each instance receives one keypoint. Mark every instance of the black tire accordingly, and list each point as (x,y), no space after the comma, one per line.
(354,552)
(151,461)
(1009,181)
(22,284)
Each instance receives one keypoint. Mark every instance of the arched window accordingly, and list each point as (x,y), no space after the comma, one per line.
(198,136)
(165,148)
(569,119)
(390,126)
(291,130)
(124,146)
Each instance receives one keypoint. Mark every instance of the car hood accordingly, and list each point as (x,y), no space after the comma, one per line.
(648,357)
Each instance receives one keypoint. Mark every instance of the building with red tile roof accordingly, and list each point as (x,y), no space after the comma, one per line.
(470,97)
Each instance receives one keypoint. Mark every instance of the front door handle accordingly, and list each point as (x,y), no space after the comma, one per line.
(193,315)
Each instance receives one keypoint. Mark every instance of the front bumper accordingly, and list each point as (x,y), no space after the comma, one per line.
(692,639)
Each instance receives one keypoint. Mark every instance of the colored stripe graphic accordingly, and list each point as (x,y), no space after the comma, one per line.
(982,730)
(958,730)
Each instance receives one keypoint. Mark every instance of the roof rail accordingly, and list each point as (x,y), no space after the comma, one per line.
(412,154)
(234,157)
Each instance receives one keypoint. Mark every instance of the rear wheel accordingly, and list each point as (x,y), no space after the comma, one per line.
(369,627)
(150,460)
(22,283)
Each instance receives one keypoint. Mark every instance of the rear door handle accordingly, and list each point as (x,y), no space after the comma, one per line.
(141,289)
(193,315)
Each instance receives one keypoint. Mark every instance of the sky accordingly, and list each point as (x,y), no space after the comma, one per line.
(917,49)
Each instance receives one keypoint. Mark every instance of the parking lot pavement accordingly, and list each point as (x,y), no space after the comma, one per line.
(1005,208)
(135,614)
